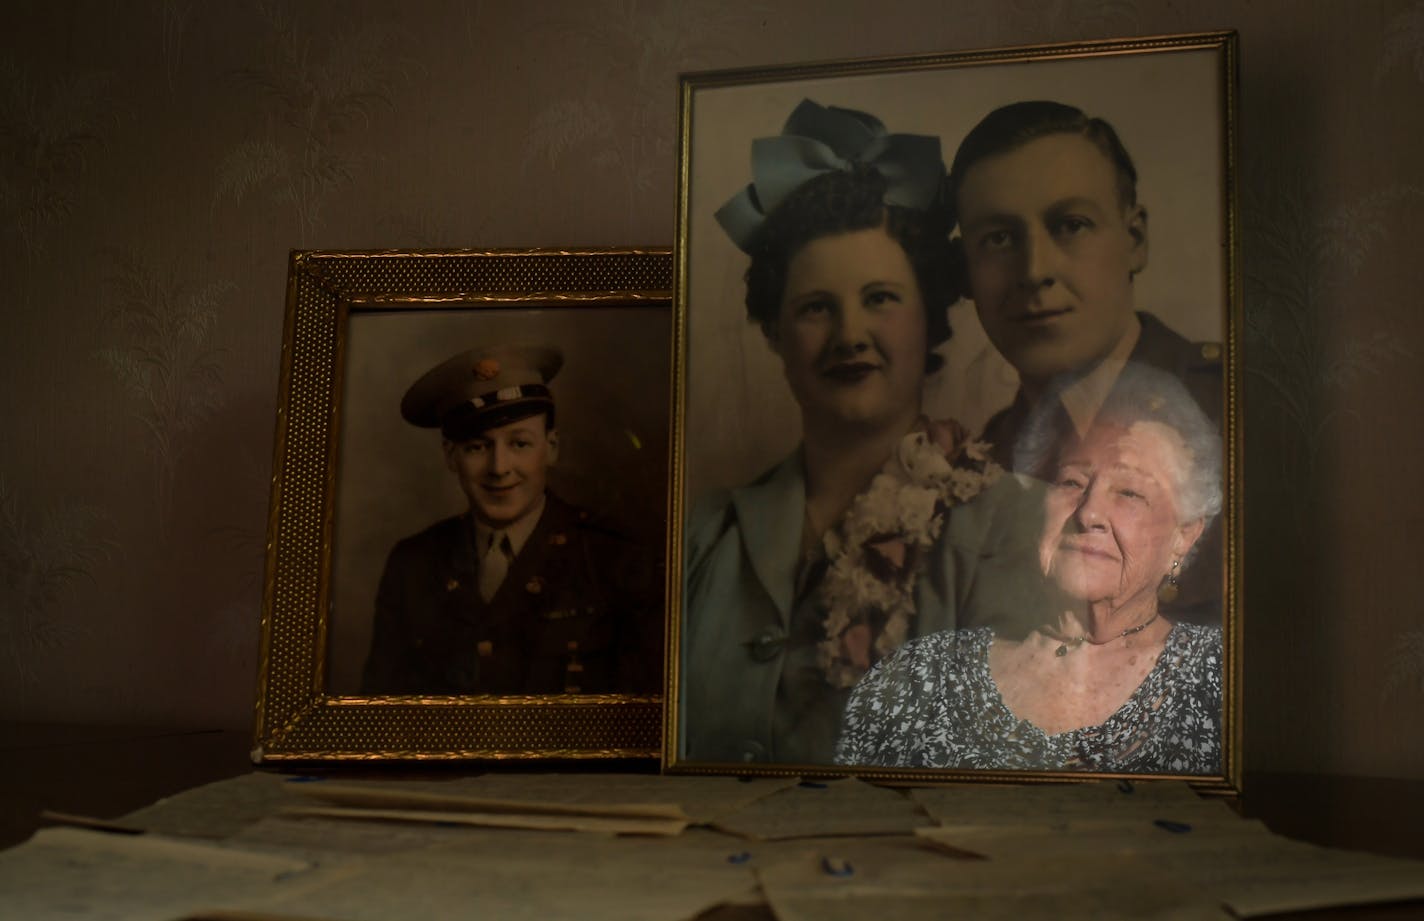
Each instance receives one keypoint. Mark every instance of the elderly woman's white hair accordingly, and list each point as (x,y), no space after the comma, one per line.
(1142,393)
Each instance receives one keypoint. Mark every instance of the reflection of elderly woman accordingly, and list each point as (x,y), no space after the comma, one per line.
(798,582)
(1106,684)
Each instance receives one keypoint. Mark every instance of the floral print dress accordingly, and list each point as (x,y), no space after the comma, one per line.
(934,704)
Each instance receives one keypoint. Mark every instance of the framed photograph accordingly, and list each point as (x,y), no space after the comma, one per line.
(956,482)
(467,534)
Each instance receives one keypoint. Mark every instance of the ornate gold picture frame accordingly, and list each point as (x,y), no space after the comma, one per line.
(772,627)
(353,479)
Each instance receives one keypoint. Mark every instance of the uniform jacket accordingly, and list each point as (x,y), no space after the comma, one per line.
(749,688)
(577,612)
(1198,366)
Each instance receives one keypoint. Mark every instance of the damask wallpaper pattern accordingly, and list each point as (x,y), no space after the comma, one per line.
(158,161)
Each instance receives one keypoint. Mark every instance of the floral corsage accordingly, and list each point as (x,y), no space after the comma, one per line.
(876,552)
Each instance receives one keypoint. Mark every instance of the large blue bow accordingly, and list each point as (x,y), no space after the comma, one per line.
(819,139)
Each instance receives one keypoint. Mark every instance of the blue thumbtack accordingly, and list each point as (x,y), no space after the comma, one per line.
(739,858)
(834,866)
(812,785)
(1124,786)
(1176,828)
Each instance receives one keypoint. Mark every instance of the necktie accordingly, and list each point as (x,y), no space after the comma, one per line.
(495,565)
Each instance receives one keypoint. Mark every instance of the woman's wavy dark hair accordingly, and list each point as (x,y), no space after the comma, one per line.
(846,201)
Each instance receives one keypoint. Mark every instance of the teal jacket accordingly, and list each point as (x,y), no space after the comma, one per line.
(749,687)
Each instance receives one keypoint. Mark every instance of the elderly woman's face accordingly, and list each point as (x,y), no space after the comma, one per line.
(851,333)
(1112,529)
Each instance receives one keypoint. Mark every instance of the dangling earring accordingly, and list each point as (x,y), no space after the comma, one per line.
(1167,591)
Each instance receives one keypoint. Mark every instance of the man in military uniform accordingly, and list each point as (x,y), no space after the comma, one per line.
(523,594)
(1053,238)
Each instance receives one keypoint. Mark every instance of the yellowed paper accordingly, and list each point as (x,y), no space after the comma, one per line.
(238,914)
(820,809)
(50,817)
(320,839)
(1105,837)
(840,880)
(160,848)
(100,876)
(701,799)
(1049,847)
(519,874)
(612,825)
(218,809)
(387,796)
(1239,864)
(1066,803)
(1280,875)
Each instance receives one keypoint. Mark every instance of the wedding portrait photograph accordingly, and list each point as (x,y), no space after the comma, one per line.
(955,484)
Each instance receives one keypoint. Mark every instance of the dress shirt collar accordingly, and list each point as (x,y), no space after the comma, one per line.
(518,531)
(1084,397)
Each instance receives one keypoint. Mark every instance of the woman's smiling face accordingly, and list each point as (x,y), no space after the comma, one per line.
(852,333)
(1111,529)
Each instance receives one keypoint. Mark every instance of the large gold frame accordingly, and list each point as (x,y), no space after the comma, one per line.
(296,718)
(983,77)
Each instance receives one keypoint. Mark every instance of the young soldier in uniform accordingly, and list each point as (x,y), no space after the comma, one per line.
(1053,238)
(524,593)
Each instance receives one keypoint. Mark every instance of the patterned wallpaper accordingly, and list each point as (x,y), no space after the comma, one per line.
(158,160)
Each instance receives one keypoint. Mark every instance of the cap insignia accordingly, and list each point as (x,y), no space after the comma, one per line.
(486,369)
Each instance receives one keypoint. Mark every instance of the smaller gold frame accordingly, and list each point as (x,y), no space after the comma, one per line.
(297,716)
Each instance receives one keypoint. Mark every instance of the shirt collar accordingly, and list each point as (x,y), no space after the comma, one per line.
(1084,397)
(518,531)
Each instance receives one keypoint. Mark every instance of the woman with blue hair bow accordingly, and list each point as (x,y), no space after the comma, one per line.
(800,581)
